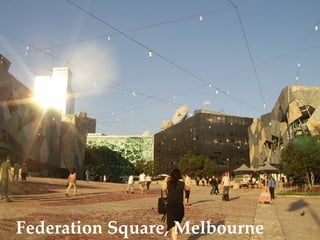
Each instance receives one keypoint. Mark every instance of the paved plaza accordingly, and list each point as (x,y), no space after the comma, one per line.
(114,214)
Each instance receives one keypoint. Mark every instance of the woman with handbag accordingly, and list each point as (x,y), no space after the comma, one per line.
(174,186)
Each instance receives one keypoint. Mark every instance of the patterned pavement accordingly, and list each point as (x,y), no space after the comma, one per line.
(114,214)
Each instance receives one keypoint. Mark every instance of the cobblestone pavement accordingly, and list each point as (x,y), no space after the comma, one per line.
(115,214)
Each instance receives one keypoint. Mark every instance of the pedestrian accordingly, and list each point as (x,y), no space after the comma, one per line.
(87,173)
(71,182)
(148,181)
(214,185)
(225,183)
(272,185)
(265,196)
(24,172)
(5,174)
(130,184)
(174,186)
(16,170)
(187,181)
(142,182)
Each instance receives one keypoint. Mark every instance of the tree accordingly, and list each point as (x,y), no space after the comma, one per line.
(301,159)
(197,164)
(103,161)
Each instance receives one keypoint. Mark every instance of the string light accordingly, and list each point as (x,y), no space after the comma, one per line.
(201,18)
(316,26)
(249,50)
(168,60)
(27,50)
(109,37)
(297,74)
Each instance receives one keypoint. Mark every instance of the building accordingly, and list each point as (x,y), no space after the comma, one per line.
(50,143)
(296,112)
(132,148)
(55,91)
(222,138)
(91,125)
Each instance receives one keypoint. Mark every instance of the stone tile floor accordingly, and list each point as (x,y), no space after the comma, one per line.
(107,205)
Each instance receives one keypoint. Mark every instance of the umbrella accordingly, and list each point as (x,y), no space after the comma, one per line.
(243,169)
(268,168)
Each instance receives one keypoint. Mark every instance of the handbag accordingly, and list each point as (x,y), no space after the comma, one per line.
(162,204)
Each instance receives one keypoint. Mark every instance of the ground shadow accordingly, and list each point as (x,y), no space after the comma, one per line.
(302,205)
(202,201)
(297,205)
(234,198)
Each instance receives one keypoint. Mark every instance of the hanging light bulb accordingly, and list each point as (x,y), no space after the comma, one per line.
(201,18)
(150,53)
(27,50)
(217,91)
(316,27)
(210,85)
(109,37)
(298,65)
(134,93)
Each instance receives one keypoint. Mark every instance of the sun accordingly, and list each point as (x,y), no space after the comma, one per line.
(50,93)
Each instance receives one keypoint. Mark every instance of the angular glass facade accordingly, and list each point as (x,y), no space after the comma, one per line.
(132,148)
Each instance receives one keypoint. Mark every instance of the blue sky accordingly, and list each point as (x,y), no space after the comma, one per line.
(236,60)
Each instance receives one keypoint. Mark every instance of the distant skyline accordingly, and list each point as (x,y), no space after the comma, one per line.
(134,63)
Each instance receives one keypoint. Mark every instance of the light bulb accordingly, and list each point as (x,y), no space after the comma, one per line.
(316,28)
(200,18)
(150,53)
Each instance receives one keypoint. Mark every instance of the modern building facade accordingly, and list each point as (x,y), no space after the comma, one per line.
(222,138)
(50,143)
(55,91)
(132,148)
(296,112)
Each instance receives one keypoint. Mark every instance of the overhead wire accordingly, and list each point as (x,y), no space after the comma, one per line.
(176,65)
(249,52)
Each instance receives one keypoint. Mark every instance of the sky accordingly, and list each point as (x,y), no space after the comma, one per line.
(135,62)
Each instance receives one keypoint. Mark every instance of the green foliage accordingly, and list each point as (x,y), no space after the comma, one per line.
(197,164)
(144,166)
(103,161)
(301,157)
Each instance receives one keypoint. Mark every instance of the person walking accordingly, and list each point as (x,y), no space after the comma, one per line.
(214,185)
(72,182)
(142,182)
(130,184)
(174,186)
(148,181)
(24,172)
(272,185)
(225,182)
(16,169)
(87,173)
(187,181)
(5,174)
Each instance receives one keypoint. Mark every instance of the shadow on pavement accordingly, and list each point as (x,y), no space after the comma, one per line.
(302,205)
